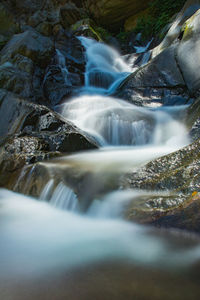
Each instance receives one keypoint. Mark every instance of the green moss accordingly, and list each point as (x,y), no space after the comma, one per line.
(187,28)
(104,34)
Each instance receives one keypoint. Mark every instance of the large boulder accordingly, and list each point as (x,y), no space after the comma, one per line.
(23,61)
(19,116)
(112,14)
(175,30)
(31,133)
(158,82)
(188,53)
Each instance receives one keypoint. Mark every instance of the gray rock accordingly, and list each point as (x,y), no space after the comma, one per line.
(30,44)
(188,53)
(15,80)
(157,82)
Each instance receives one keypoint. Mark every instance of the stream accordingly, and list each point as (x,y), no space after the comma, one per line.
(82,223)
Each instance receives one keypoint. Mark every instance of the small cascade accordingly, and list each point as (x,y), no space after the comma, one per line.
(61,197)
(104,66)
(115,122)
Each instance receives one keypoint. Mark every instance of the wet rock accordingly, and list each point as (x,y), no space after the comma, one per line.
(177,175)
(59,84)
(29,44)
(19,116)
(31,133)
(159,81)
(16,152)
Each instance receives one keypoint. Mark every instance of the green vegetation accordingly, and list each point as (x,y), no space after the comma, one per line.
(123,36)
(160,14)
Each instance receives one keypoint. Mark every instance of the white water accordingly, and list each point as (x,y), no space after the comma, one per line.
(115,122)
(42,238)
(37,239)
(105,68)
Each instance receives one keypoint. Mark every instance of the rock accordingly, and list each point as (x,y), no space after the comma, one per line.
(86,27)
(15,80)
(30,44)
(69,14)
(188,54)
(176,174)
(103,10)
(45,20)
(158,82)
(65,75)
(16,152)
(19,116)
(31,133)
(59,84)
(174,33)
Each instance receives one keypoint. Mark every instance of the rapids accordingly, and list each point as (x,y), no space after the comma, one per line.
(55,234)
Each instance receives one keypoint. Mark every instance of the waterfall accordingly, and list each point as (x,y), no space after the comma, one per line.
(105,67)
(61,197)
(61,62)
(61,232)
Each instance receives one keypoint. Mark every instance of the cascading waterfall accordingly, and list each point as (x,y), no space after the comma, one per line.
(105,68)
(129,136)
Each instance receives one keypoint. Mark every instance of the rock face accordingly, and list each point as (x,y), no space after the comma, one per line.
(188,53)
(159,81)
(173,74)
(120,10)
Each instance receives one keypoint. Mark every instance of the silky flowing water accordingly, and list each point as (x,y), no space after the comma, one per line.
(67,229)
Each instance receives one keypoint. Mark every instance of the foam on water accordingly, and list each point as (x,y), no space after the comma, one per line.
(116,122)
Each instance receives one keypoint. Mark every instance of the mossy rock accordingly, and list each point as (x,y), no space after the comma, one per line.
(88,28)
